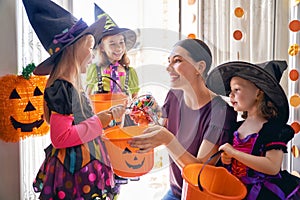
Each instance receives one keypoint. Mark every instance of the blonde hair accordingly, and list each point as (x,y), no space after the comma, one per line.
(67,67)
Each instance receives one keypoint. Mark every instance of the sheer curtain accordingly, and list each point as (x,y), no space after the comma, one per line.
(260,22)
(31,148)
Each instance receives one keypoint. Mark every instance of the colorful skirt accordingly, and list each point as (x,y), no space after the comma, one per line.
(76,173)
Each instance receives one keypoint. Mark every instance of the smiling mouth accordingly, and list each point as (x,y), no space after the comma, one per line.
(26,127)
(135,166)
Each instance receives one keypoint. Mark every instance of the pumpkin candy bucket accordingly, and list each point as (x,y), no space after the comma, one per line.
(207,182)
(125,160)
(104,101)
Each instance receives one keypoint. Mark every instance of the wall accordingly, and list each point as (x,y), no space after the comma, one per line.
(9,152)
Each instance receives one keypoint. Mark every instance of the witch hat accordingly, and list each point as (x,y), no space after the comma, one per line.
(57,29)
(111,28)
(266,76)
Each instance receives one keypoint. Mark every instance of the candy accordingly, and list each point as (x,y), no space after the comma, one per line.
(144,110)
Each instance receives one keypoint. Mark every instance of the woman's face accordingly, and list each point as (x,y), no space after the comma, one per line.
(114,47)
(243,95)
(181,68)
(85,52)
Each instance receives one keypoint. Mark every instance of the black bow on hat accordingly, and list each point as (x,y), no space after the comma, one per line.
(57,29)
(111,28)
(266,76)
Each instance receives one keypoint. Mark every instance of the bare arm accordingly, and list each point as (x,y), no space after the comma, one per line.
(269,164)
(158,135)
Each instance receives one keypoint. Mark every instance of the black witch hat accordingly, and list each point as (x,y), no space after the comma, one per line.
(266,76)
(57,29)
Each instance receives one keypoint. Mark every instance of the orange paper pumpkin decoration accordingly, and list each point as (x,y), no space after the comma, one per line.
(21,107)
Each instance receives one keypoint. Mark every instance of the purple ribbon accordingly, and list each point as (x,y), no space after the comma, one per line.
(115,76)
(69,34)
(262,180)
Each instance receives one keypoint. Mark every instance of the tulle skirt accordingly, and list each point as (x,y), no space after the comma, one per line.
(77,173)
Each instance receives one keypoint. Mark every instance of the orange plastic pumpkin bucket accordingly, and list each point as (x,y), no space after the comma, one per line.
(125,161)
(104,101)
(217,183)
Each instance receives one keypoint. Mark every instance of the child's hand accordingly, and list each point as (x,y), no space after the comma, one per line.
(117,112)
(227,155)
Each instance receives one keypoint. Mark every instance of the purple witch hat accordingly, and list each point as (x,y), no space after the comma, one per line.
(57,29)
(111,28)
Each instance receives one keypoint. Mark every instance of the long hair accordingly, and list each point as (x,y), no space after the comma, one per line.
(67,67)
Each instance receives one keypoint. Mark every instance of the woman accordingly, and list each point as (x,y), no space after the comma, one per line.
(197,121)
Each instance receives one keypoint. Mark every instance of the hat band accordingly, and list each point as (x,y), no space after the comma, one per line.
(66,36)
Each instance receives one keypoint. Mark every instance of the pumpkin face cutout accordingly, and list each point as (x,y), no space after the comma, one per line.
(125,160)
(135,161)
(21,107)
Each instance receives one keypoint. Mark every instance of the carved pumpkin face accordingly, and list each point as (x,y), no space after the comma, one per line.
(21,107)
(125,160)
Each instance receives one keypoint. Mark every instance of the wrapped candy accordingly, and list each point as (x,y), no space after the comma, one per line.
(145,110)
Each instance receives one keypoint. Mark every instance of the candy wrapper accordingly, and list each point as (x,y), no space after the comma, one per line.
(144,110)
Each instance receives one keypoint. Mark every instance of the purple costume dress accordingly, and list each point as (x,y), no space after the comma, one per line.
(262,186)
(75,173)
(212,122)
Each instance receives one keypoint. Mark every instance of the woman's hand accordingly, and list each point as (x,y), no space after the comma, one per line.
(227,155)
(152,137)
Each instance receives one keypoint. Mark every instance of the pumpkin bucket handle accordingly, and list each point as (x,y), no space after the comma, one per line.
(204,164)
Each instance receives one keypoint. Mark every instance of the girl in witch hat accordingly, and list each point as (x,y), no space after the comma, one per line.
(113,62)
(76,164)
(259,142)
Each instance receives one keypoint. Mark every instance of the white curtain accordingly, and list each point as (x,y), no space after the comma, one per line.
(32,148)
(264,37)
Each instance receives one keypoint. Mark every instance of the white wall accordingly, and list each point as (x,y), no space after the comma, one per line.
(9,152)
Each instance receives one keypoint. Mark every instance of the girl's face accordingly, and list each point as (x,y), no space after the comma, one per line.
(85,52)
(181,68)
(114,47)
(243,95)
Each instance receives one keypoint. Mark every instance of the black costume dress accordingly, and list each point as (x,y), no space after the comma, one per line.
(80,172)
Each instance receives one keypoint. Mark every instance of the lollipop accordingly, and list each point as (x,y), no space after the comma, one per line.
(144,110)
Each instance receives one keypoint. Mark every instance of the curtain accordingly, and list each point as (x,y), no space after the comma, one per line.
(260,22)
(293,83)
(32,148)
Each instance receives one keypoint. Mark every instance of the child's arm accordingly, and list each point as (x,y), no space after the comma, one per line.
(64,134)
(268,164)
